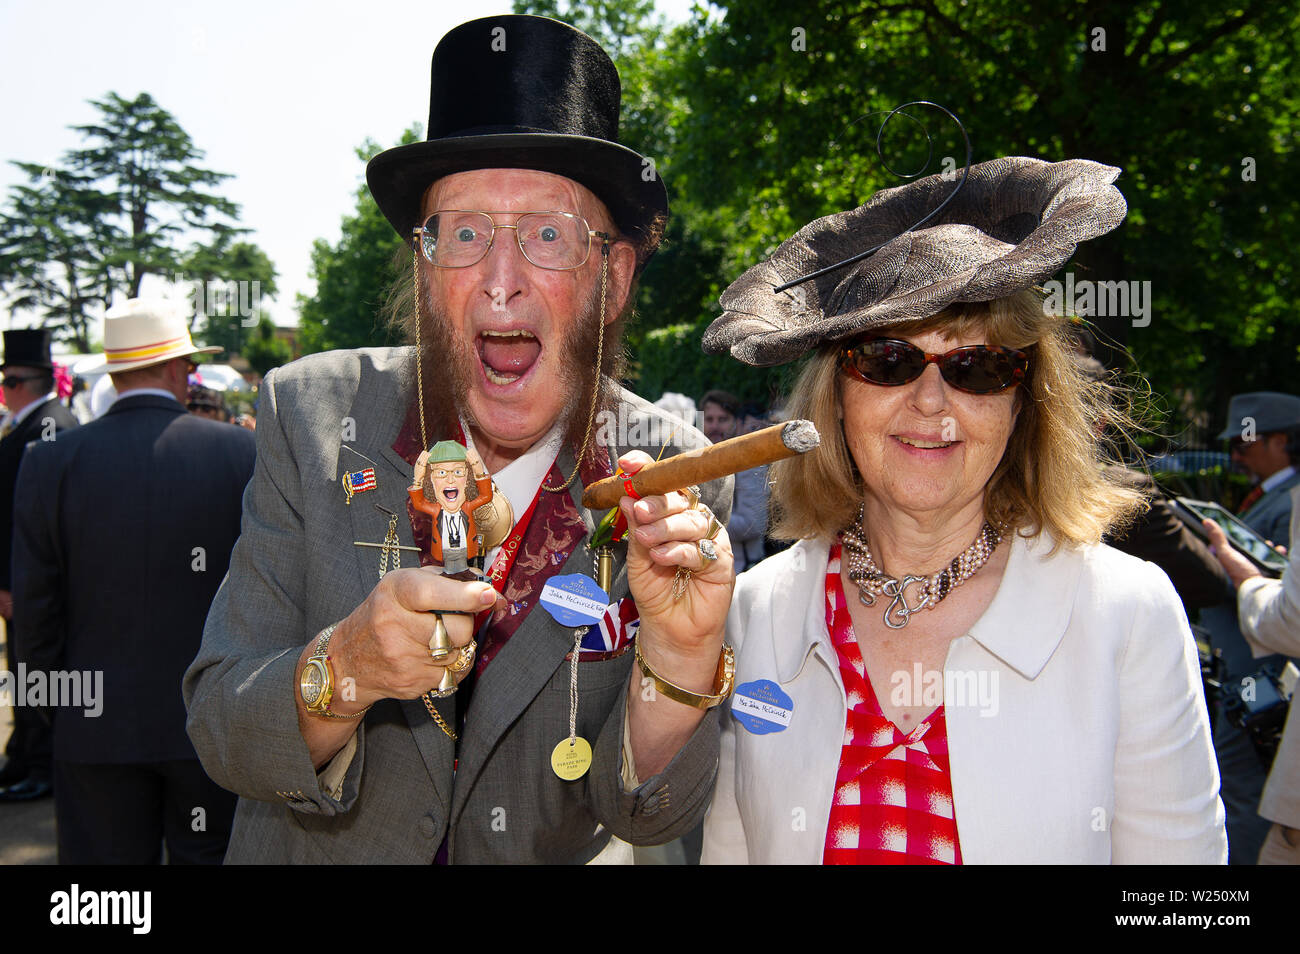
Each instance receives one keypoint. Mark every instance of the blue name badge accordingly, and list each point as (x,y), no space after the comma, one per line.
(762,707)
(574,600)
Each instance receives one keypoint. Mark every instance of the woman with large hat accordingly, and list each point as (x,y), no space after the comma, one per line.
(948,666)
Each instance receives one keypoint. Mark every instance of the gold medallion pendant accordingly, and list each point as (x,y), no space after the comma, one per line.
(494,519)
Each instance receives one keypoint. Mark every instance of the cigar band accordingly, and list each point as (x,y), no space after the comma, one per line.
(631,491)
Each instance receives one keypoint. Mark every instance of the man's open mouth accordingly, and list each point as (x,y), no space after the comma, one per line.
(450,494)
(506,356)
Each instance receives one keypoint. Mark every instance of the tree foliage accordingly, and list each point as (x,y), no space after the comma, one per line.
(762,120)
(115,211)
(262,349)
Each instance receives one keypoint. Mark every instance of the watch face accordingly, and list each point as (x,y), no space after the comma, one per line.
(312,684)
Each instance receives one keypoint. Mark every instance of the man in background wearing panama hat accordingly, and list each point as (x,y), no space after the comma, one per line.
(527,223)
(123,532)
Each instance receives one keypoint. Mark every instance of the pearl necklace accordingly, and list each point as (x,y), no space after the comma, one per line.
(872,582)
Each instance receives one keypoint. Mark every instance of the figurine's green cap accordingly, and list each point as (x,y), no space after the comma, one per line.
(446,451)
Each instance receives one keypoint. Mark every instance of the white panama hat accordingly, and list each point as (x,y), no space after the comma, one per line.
(142,332)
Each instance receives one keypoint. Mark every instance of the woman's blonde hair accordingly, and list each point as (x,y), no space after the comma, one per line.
(1052,475)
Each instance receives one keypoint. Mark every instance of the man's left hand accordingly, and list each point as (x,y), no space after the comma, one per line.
(682,635)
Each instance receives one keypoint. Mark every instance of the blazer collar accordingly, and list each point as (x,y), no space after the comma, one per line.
(135,402)
(1022,626)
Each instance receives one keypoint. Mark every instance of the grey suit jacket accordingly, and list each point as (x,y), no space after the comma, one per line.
(1270,619)
(1271,515)
(295,571)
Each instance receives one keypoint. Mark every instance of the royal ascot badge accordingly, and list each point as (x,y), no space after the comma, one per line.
(574,600)
(571,758)
(762,706)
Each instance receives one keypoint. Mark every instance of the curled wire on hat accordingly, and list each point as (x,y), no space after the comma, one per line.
(880,152)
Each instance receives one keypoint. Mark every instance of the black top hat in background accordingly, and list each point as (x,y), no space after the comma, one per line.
(28,348)
(523,92)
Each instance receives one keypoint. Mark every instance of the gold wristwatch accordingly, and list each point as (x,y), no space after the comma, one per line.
(316,684)
(724,680)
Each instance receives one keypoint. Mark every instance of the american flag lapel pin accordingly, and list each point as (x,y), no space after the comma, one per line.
(358,481)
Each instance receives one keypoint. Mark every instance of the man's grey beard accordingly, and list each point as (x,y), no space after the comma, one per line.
(450,369)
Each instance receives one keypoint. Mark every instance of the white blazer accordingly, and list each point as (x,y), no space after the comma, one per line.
(1091,743)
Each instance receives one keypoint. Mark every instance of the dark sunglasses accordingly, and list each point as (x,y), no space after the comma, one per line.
(13,380)
(975,369)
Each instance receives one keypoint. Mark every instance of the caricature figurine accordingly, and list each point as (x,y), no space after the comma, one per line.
(441,482)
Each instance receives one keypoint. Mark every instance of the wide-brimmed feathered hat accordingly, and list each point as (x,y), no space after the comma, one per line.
(1015,222)
(523,92)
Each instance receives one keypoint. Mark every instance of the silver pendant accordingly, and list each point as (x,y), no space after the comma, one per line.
(898,589)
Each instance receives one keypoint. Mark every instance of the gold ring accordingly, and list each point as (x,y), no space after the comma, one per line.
(692,495)
(465,660)
(708,552)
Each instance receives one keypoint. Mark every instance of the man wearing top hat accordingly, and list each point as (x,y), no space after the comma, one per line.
(123,531)
(527,225)
(33,413)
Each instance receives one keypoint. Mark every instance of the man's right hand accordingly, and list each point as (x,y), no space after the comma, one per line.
(381,649)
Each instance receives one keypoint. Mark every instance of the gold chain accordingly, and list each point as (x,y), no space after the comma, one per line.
(595,391)
(428,704)
(419,351)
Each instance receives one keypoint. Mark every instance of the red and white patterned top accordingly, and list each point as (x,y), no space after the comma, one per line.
(893,792)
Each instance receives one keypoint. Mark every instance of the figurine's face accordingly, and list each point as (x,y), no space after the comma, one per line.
(448,482)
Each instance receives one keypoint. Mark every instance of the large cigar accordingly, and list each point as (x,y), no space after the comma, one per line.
(708,463)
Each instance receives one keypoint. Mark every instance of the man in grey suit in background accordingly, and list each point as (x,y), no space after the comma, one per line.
(1263,434)
(321,693)
(1269,612)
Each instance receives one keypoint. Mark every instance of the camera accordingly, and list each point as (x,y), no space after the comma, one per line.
(1258,704)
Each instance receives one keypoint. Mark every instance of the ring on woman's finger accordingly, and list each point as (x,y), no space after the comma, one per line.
(708,552)
(465,660)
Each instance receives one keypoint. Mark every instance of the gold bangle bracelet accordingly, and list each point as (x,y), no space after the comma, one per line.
(724,681)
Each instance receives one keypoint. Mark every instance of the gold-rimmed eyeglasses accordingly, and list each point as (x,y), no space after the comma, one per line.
(459,238)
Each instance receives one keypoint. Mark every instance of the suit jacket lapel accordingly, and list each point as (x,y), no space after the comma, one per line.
(379,410)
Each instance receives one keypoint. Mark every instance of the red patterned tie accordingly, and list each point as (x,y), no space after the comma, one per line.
(1249,500)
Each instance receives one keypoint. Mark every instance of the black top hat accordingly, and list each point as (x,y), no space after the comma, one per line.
(523,92)
(28,348)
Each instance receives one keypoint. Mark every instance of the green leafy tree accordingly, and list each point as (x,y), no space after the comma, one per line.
(352,275)
(115,211)
(263,350)
(220,266)
(139,154)
(51,261)
(771,127)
